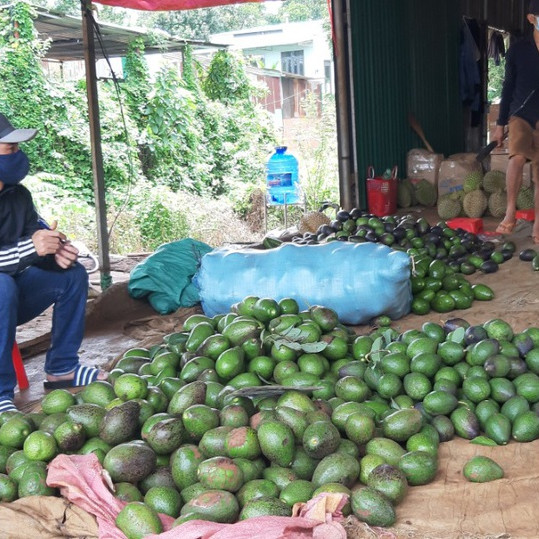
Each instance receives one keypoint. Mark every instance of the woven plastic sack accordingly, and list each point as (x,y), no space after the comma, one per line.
(164,278)
(357,280)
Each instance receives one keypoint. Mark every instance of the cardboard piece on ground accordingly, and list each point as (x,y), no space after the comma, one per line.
(45,517)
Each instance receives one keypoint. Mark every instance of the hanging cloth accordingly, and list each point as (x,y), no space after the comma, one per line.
(470,79)
(496,47)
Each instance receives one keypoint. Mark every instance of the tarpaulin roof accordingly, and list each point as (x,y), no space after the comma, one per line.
(170,5)
(66,43)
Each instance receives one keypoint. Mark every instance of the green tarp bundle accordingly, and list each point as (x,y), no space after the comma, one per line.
(165,276)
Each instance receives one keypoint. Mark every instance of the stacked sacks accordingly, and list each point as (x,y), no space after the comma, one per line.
(449,206)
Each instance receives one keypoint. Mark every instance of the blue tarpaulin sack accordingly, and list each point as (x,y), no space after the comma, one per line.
(165,277)
(357,280)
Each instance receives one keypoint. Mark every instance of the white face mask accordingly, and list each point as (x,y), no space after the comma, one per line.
(537,22)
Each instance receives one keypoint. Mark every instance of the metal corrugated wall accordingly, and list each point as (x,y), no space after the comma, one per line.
(508,15)
(405,61)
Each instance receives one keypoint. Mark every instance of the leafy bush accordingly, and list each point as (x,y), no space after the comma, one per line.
(317,152)
(142,219)
(75,217)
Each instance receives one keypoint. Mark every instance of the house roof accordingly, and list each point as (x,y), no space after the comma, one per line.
(65,33)
(294,33)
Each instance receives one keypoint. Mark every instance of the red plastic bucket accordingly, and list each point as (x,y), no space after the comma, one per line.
(382,193)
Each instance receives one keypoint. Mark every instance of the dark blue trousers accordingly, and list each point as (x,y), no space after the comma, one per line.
(27,295)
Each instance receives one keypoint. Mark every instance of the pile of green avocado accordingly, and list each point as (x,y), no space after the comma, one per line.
(247,413)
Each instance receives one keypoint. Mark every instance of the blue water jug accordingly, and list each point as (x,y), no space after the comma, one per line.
(282,178)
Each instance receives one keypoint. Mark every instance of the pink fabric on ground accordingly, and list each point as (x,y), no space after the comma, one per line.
(256,528)
(82,480)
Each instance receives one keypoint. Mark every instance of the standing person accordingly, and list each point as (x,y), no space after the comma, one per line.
(519,110)
(38,268)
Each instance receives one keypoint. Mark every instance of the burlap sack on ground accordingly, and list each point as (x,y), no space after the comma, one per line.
(452,507)
(45,517)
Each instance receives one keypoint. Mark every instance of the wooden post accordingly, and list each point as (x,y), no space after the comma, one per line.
(95,141)
(348,181)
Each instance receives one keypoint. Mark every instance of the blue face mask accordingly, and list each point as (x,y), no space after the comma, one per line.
(13,167)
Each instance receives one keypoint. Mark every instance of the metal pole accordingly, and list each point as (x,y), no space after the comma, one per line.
(95,142)
(342,87)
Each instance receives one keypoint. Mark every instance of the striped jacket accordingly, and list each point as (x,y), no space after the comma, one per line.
(18,221)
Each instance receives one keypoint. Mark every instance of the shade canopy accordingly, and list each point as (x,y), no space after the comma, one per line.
(66,43)
(170,5)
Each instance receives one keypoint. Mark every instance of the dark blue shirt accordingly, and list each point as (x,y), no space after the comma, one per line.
(521,79)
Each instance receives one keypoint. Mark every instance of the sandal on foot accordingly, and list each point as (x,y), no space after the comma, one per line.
(505,228)
(82,376)
(6,405)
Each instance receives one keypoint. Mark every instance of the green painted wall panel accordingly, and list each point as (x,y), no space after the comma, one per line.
(405,61)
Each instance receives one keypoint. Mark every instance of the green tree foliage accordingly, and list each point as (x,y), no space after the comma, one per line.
(226,81)
(114,15)
(173,134)
(496,74)
(303,10)
(61,6)
(236,127)
(136,86)
(192,72)
(201,23)
(319,170)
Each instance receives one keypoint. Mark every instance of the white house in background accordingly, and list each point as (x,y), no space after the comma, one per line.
(298,53)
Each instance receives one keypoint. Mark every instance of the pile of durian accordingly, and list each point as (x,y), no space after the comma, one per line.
(418,192)
(481,193)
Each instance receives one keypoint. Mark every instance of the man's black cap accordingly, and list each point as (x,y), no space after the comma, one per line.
(10,135)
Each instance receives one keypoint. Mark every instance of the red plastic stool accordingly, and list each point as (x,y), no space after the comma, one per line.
(20,372)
